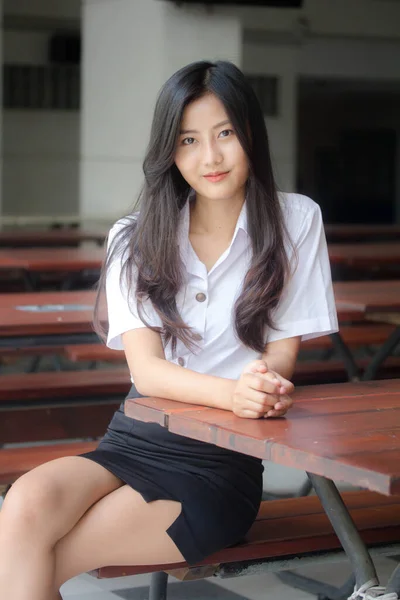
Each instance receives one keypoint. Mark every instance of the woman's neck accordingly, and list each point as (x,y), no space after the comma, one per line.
(212,217)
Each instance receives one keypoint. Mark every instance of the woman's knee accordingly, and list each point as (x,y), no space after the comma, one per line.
(32,508)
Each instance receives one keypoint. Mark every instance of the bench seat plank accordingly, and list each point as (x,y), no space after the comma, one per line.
(14,462)
(63,384)
(354,336)
(293,527)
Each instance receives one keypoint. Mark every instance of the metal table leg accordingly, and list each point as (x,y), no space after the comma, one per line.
(344,527)
(394,582)
(158,586)
(346,355)
(379,357)
(384,351)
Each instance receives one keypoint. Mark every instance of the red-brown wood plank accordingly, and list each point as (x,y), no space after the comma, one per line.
(79,352)
(368,296)
(52,259)
(373,254)
(343,232)
(14,322)
(21,322)
(55,422)
(16,461)
(23,237)
(353,336)
(63,384)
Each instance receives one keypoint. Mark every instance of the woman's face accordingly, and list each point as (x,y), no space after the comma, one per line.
(209,155)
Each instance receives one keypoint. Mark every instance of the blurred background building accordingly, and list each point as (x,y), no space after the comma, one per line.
(80,80)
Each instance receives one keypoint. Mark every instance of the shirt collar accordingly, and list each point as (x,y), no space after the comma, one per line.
(184,223)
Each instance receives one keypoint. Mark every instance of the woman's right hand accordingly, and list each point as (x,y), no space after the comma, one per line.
(254,395)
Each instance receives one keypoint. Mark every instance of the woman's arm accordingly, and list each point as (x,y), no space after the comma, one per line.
(155,376)
(281,356)
(249,396)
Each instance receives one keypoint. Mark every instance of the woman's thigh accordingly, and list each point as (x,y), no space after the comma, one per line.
(49,500)
(120,529)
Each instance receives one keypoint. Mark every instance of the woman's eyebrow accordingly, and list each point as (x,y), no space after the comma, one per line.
(185,131)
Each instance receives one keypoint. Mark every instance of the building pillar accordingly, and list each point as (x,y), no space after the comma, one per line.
(129,50)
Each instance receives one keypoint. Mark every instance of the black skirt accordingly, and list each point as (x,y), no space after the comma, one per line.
(219,490)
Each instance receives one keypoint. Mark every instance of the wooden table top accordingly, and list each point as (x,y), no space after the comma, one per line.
(355,232)
(20,237)
(352,299)
(371,255)
(68,312)
(52,259)
(348,432)
(368,296)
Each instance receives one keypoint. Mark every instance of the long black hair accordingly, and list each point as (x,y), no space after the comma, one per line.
(152,265)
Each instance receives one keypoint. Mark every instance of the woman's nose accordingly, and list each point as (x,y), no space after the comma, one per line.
(212,154)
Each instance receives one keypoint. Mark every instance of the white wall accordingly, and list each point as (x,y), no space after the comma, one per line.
(40,163)
(279,60)
(130,49)
(41,148)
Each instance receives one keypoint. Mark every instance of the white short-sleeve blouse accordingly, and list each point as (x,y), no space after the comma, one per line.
(206,301)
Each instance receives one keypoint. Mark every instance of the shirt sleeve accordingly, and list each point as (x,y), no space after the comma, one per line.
(307,306)
(122,313)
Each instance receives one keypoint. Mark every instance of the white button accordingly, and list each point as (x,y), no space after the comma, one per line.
(200,297)
(181,361)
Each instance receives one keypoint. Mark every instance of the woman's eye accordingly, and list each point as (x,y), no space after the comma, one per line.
(226,133)
(188,141)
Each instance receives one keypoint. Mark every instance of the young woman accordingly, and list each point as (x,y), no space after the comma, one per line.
(210,288)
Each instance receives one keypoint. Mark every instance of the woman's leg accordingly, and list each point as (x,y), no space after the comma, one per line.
(120,529)
(41,508)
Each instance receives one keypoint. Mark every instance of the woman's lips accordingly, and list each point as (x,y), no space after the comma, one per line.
(216,177)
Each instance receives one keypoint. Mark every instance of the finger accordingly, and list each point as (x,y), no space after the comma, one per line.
(259,369)
(275,413)
(262,384)
(254,365)
(283,403)
(249,414)
(287,386)
(255,400)
(272,377)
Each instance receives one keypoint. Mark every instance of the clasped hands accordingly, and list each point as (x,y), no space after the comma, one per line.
(261,393)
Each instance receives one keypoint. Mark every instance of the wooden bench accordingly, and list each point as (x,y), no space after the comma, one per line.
(14,462)
(311,372)
(287,532)
(355,336)
(307,372)
(59,405)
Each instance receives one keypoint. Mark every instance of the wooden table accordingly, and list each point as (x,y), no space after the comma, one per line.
(377,301)
(348,432)
(20,237)
(36,261)
(26,328)
(343,232)
(46,318)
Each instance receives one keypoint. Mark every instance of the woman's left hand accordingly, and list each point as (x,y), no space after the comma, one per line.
(286,388)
